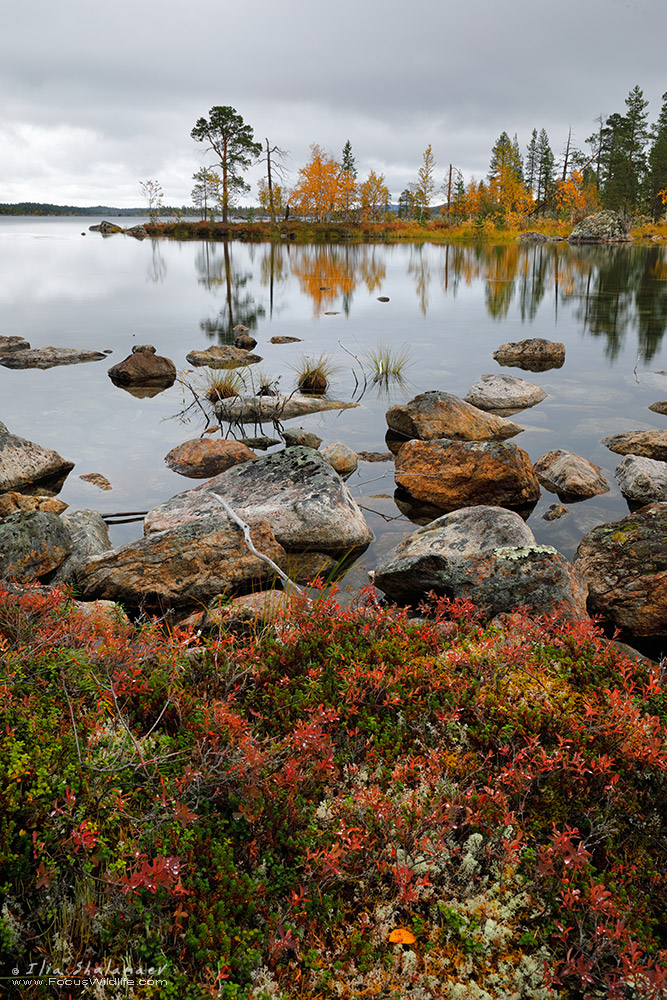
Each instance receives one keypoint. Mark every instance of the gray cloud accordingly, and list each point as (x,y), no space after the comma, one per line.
(96,97)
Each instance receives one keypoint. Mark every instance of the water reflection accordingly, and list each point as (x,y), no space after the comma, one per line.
(329,274)
(215,267)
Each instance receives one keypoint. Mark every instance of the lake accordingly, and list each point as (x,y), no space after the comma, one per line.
(450,307)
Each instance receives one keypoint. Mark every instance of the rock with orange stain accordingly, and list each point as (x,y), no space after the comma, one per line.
(447,474)
(206,457)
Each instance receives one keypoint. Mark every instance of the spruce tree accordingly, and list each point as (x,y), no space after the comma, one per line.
(657,165)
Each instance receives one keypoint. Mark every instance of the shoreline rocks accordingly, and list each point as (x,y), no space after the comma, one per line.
(625,566)
(488,555)
(602,227)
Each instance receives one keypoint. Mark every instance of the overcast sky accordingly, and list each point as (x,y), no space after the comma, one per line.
(95,97)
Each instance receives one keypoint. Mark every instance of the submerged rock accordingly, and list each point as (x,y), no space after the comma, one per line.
(535,354)
(570,476)
(448,474)
(298,435)
(23,463)
(625,566)
(49,357)
(488,555)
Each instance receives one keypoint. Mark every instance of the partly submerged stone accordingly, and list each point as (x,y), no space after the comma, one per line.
(203,458)
(642,480)
(247,409)
(106,228)
(144,368)
(225,356)
(447,474)
(49,357)
(299,435)
(650,444)
(570,476)
(504,392)
(535,354)
(22,462)
(435,414)
(625,566)
(488,555)
(285,340)
(296,491)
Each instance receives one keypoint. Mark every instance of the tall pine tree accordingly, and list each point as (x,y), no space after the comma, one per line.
(657,165)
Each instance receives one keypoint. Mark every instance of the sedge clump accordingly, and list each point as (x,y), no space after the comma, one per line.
(315,374)
(222,385)
(388,365)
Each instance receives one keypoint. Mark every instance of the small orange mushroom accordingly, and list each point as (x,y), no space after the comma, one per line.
(402,936)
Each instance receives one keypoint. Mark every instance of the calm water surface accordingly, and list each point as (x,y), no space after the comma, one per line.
(450,307)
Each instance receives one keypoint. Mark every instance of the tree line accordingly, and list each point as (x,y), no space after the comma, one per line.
(623,168)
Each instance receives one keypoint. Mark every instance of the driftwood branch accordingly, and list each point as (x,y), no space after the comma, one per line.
(249,542)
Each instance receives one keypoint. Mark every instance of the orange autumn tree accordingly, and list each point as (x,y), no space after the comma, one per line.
(373,197)
(324,188)
(575,197)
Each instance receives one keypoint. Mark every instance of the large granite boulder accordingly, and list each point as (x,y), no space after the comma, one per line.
(437,414)
(203,458)
(32,544)
(570,476)
(533,355)
(23,463)
(504,392)
(642,480)
(487,555)
(603,227)
(304,500)
(650,444)
(625,566)
(447,474)
(50,357)
(143,367)
(89,537)
(188,564)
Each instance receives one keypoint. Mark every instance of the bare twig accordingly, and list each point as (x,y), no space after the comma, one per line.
(249,542)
